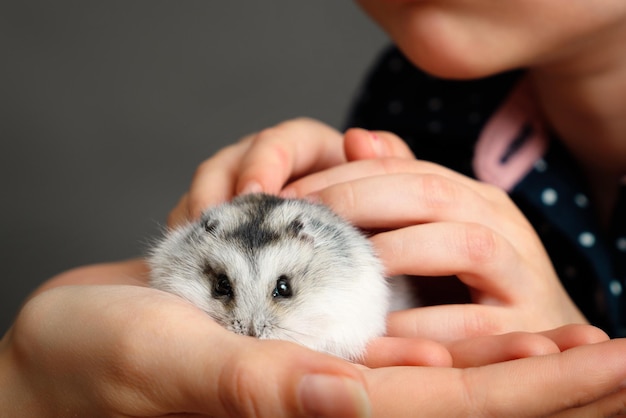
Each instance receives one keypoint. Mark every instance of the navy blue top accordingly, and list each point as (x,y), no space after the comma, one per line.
(442,120)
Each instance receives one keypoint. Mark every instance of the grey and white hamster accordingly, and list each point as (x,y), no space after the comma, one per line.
(278,268)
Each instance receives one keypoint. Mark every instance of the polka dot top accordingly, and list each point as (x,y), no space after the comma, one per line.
(488,129)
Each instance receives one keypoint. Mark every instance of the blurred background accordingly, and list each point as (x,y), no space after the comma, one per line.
(106,108)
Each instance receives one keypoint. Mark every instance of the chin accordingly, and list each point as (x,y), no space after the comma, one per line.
(455,55)
(455,66)
(445,45)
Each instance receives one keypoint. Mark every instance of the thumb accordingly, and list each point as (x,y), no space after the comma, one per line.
(279,379)
(361,144)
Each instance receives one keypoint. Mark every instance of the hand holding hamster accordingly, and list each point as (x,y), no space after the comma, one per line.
(277,268)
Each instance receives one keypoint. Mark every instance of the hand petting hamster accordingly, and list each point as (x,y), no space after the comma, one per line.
(285,269)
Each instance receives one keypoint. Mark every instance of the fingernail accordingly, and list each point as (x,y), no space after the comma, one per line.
(377,144)
(313,198)
(251,187)
(287,193)
(333,396)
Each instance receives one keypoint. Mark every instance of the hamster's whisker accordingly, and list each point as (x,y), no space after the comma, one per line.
(287,337)
(288,334)
(292,331)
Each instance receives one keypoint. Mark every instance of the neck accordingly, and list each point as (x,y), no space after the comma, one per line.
(582,95)
(583,98)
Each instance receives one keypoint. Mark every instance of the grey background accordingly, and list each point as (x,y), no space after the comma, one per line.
(107,107)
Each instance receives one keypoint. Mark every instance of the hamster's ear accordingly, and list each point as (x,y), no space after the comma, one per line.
(210,225)
(296,229)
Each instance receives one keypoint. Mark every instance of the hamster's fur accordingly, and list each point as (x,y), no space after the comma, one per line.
(278,268)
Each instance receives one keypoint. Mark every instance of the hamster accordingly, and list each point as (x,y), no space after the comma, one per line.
(276,268)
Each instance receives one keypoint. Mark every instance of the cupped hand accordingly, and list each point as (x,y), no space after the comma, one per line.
(269,159)
(127,351)
(431,221)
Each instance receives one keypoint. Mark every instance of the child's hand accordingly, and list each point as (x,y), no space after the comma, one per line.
(263,161)
(437,222)
(478,351)
(269,159)
(432,221)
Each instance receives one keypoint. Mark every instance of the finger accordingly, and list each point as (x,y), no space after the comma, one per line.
(388,351)
(361,144)
(449,323)
(214,180)
(384,166)
(574,335)
(277,379)
(287,151)
(491,349)
(481,258)
(416,199)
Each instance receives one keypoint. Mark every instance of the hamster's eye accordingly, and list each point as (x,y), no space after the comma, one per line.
(222,286)
(283,288)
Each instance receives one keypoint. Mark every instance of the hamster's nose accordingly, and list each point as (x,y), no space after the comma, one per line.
(252,331)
